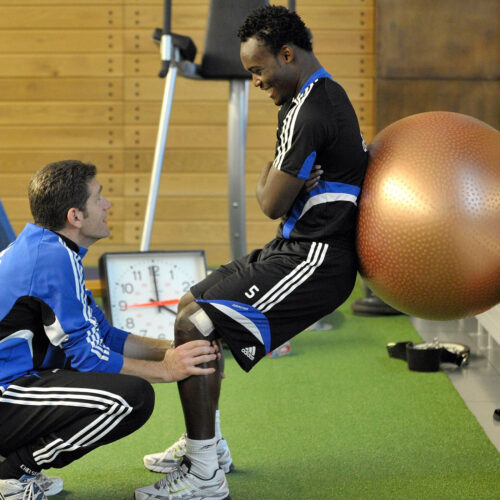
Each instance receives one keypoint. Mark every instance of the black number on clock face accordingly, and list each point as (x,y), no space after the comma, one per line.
(127,288)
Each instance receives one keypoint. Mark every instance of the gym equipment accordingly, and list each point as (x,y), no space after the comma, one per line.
(7,234)
(427,356)
(371,305)
(220,61)
(429,216)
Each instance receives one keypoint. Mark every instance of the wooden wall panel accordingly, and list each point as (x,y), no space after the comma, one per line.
(36,88)
(60,41)
(80,81)
(458,39)
(438,56)
(479,98)
(60,15)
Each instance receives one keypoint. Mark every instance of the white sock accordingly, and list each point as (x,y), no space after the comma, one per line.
(218,433)
(203,456)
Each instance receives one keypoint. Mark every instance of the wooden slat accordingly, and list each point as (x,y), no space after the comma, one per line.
(57,113)
(16,185)
(343,42)
(185,136)
(192,17)
(185,184)
(60,16)
(325,41)
(151,89)
(188,208)
(140,41)
(94,137)
(215,113)
(30,161)
(193,160)
(60,41)
(184,17)
(17,208)
(67,65)
(196,233)
(36,88)
(337,17)
(348,65)
(176,3)
(80,2)
(183,113)
(179,136)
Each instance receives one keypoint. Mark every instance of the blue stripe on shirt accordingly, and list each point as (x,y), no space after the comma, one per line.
(323,188)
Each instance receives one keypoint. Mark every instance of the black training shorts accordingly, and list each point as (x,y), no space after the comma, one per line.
(261,300)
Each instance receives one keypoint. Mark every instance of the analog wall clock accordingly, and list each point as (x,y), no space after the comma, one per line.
(142,289)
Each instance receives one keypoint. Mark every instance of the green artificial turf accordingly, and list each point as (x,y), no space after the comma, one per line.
(336,419)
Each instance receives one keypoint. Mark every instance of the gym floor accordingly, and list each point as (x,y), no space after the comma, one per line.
(478,383)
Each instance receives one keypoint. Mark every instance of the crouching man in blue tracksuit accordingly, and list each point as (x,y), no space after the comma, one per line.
(69,381)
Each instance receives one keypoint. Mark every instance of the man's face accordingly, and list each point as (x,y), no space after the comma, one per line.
(94,225)
(269,72)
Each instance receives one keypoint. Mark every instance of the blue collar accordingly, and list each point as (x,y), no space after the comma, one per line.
(321,73)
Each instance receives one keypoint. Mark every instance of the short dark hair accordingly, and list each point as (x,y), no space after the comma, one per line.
(276,26)
(56,188)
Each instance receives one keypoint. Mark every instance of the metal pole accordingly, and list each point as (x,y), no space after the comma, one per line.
(236,149)
(161,140)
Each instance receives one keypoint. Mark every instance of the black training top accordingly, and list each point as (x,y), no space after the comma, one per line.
(319,127)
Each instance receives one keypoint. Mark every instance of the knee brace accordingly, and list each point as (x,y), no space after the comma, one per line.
(202,322)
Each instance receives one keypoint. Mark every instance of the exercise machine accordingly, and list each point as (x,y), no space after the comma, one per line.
(220,61)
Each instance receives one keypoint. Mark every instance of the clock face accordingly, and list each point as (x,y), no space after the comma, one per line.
(143,289)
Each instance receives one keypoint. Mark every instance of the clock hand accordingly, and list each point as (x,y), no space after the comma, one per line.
(155,303)
(171,311)
(157,295)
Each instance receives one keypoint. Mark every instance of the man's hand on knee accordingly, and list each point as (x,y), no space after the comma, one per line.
(184,360)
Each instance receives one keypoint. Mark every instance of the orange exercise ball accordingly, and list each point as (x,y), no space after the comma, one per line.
(428,236)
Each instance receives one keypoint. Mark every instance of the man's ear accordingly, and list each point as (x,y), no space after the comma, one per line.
(287,54)
(74,217)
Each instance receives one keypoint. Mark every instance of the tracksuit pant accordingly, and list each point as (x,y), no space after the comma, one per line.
(57,416)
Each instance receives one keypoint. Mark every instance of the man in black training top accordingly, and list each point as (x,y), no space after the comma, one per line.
(259,301)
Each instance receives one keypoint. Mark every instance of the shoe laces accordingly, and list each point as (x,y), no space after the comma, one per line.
(172,477)
(31,490)
(179,445)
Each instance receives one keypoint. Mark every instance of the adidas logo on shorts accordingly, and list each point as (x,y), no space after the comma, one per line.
(249,352)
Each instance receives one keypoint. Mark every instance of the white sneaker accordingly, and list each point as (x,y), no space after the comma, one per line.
(169,460)
(182,484)
(25,488)
(51,485)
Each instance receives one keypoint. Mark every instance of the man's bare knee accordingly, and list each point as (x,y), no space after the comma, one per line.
(193,323)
